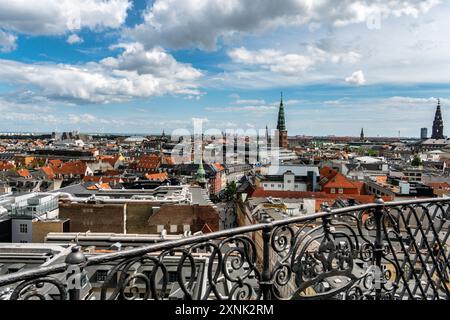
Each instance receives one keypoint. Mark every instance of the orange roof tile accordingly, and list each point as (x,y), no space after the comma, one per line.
(105,186)
(74,167)
(24,173)
(320,197)
(163,176)
(339,181)
(219,166)
(149,162)
(381,179)
(48,172)
(327,172)
(55,162)
(439,185)
(6,166)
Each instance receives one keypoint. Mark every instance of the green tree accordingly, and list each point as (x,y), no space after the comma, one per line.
(416,161)
(230,191)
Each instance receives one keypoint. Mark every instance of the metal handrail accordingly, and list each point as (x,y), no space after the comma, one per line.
(167,245)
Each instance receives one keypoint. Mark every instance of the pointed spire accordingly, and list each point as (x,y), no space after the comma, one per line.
(362,134)
(201,173)
(438,124)
(281,125)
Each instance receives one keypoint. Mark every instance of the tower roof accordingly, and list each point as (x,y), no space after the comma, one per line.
(201,173)
(438,124)
(281,125)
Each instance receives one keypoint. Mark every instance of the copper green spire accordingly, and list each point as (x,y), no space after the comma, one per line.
(281,126)
(201,173)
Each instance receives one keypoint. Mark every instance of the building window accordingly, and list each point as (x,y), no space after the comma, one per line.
(159,228)
(341,191)
(102,275)
(173,228)
(173,276)
(23,228)
(333,190)
(186,227)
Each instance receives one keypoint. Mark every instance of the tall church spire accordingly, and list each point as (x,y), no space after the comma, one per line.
(281,125)
(438,124)
(362,134)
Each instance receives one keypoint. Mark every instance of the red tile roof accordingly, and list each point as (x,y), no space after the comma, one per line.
(48,172)
(339,181)
(110,159)
(327,172)
(55,162)
(148,162)
(24,173)
(6,166)
(74,167)
(321,197)
(163,176)
(439,185)
(219,166)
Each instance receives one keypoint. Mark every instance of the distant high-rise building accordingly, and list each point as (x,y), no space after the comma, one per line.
(424,133)
(281,126)
(438,124)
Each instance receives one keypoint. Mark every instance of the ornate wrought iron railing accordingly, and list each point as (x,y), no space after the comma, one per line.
(395,250)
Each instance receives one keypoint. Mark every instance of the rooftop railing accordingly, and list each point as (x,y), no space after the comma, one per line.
(378,251)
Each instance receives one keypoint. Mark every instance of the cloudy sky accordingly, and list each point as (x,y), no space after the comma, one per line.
(124,66)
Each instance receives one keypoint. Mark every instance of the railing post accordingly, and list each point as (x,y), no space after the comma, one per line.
(266,277)
(378,252)
(75,261)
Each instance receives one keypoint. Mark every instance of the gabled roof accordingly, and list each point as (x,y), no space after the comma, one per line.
(48,171)
(339,181)
(24,173)
(206,229)
(149,162)
(330,178)
(74,167)
(55,162)
(163,176)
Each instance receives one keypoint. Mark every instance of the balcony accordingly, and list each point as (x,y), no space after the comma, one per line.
(378,251)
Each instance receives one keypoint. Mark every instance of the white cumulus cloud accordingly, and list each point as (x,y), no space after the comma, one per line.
(111,80)
(74,38)
(357,78)
(290,64)
(200,23)
(56,17)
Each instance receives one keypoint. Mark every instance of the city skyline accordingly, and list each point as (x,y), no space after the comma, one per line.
(128,67)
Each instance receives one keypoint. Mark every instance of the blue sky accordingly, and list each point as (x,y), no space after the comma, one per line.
(127,66)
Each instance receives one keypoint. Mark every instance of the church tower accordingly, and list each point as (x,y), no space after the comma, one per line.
(361,137)
(438,124)
(281,127)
